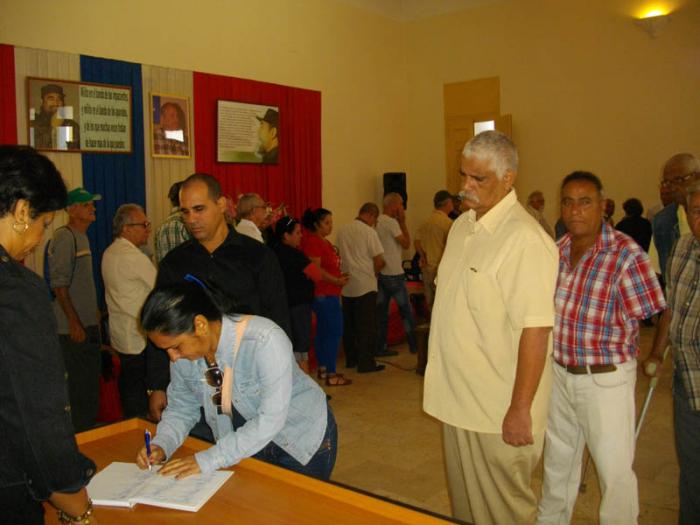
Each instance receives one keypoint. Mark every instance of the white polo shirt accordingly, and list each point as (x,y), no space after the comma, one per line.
(388,230)
(129,276)
(248,227)
(358,244)
(497,276)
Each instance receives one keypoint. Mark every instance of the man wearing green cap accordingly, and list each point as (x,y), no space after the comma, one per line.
(75,307)
(52,126)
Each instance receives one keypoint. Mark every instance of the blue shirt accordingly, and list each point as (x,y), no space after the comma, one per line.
(279,402)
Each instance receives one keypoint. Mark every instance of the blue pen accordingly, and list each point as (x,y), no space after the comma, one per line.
(147,437)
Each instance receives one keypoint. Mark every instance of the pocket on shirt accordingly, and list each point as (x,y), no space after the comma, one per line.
(249,388)
(479,290)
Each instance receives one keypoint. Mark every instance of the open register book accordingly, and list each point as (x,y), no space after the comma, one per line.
(125,485)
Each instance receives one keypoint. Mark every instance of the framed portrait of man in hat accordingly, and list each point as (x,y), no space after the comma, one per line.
(54,116)
(66,115)
(247,133)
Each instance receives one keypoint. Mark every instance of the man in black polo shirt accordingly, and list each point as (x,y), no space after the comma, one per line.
(237,266)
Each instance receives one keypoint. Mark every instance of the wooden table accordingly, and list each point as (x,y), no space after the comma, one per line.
(257,493)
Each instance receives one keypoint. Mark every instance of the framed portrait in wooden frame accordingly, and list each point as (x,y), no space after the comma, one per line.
(170,126)
(67,115)
(247,133)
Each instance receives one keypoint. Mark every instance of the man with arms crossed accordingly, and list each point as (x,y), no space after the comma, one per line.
(605,286)
(488,376)
(680,326)
(129,276)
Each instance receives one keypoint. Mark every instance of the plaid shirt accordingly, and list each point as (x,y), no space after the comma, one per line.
(598,302)
(170,234)
(164,146)
(683,293)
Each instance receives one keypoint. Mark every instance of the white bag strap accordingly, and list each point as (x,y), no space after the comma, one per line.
(227,384)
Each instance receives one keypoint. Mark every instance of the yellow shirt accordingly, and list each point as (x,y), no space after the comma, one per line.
(433,235)
(497,276)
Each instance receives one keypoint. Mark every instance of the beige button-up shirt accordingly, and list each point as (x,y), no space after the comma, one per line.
(497,277)
(129,276)
(432,235)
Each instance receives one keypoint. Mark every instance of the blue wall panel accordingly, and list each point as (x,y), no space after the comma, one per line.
(119,178)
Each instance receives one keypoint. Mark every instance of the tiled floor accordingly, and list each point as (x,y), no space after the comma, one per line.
(390,447)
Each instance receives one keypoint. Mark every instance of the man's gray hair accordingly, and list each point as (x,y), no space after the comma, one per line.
(369,208)
(122,217)
(687,161)
(247,203)
(495,147)
(692,190)
(536,193)
(392,198)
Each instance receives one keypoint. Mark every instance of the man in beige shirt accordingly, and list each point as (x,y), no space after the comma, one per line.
(430,241)
(489,372)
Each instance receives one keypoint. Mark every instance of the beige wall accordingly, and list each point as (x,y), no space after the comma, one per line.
(586,87)
(353,57)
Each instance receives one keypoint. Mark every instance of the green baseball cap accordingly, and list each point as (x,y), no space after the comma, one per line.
(81,195)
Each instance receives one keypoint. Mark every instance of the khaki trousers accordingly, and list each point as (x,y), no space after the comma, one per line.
(429,275)
(488,480)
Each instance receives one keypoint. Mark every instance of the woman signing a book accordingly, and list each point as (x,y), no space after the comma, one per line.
(241,371)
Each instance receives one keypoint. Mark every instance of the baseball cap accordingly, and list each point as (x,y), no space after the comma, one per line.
(81,195)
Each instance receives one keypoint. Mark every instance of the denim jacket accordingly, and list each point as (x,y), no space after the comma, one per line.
(279,402)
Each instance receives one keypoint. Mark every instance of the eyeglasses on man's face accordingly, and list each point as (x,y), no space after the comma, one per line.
(681,179)
(144,224)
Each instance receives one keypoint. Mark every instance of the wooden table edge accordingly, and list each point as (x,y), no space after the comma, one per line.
(328,490)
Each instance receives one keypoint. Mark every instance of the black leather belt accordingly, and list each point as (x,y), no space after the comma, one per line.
(588,369)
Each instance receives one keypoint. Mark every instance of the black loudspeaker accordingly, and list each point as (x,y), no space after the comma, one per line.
(395,182)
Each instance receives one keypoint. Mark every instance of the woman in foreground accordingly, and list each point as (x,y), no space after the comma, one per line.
(39,459)
(241,371)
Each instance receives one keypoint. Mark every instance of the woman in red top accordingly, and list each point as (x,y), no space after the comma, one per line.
(326,303)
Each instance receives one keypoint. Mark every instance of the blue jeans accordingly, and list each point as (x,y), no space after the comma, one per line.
(394,286)
(329,330)
(320,466)
(686,423)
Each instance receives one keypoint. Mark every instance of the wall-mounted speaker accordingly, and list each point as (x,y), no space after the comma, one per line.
(395,182)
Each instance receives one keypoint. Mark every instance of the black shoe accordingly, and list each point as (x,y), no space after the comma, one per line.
(375,368)
(386,353)
(350,365)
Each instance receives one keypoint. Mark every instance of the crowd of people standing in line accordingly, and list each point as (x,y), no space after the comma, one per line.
(234,318)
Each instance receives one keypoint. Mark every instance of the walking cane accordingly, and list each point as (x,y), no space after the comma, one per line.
(650,370)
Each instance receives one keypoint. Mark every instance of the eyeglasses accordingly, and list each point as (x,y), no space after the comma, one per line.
(680,179)
(215,378)
(145,224)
